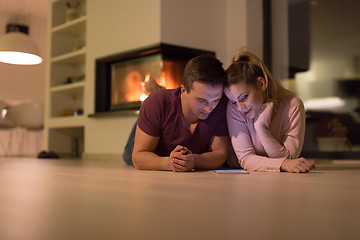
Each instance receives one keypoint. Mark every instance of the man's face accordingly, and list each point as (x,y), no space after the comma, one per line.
(201,100)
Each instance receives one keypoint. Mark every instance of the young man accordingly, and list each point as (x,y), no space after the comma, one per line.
(185,128)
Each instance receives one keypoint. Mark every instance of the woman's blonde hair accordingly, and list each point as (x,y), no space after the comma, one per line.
(248,67)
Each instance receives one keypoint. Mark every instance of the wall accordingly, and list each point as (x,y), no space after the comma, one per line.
(116,26)
(280,52)
(335,46)
(113,27)
(24,82)
(235,28)
(198,24)
(254,26)
(222,26)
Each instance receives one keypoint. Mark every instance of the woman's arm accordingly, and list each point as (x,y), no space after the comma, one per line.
(244,147)
(293,131)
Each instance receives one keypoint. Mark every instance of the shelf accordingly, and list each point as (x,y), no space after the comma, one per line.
(66,121)
(58,1)
(68,92)
(72,27)
(68,87)
(118,113)
(66,100)
(331,155)
(62,140)
(59,8)
(70,58)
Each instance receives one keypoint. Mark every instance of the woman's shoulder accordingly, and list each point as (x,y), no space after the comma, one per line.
(289,105)
(233,113)
(291,101)
(296,102)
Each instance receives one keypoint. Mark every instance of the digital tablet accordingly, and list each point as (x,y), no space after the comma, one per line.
(231,171)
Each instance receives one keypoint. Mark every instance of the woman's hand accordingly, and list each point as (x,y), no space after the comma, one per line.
(299,165)
(262,122)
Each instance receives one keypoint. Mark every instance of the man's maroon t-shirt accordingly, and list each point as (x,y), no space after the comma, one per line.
(160,116)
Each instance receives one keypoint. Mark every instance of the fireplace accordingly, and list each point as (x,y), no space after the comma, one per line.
(124,80)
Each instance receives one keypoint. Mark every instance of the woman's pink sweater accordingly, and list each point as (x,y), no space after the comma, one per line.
(266,150)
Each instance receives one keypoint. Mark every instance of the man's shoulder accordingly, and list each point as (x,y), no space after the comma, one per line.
(162,96)
(160,103)
(155,111)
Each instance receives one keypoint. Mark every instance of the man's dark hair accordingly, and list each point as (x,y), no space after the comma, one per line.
(205,69)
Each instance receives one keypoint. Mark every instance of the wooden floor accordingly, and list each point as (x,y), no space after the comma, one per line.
(63,199)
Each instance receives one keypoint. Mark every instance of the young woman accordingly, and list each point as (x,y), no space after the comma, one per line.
(266,122)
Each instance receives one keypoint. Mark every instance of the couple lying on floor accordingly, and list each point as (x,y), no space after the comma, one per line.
(197,127)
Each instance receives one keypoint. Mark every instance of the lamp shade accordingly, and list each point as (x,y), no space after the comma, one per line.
(18,48)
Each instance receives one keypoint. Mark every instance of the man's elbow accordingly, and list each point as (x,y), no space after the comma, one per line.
(220,164)
(135,160)
(221,159)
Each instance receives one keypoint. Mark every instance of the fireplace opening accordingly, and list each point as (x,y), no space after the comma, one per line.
(124,80)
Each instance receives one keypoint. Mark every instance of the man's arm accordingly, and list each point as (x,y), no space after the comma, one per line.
(144,156)
(217,155)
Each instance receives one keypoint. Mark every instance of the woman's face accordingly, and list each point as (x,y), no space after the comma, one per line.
(247,98)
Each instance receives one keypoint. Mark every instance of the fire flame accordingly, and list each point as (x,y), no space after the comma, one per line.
(143,97)
(138,88)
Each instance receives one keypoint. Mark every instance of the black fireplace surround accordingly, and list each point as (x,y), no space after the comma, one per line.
(115,65)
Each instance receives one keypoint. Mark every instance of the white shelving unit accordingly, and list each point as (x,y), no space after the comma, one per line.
(65,91)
